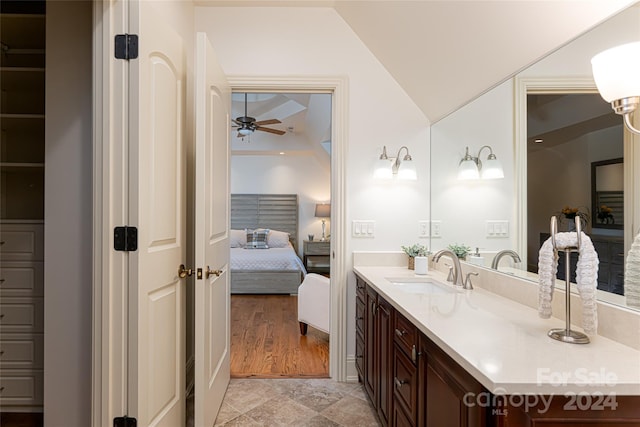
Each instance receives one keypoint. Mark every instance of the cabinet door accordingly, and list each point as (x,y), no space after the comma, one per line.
(370,362)
(443,391)
(385,361)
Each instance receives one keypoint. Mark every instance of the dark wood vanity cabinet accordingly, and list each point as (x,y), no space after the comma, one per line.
(375,340)
(412,382)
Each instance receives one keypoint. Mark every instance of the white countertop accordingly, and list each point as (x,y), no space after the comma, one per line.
(504,344)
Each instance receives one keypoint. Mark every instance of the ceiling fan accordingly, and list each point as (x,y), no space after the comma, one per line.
(247,125)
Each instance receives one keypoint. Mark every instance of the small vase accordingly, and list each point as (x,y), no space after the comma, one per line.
(412,263)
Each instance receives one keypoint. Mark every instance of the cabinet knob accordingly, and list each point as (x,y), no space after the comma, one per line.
(359,317)
(400,333)
(399,383)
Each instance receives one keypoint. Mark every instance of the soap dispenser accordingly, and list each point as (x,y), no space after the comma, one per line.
(476,258)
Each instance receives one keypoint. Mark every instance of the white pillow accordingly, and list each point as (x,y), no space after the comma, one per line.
(237,238)
(278,239)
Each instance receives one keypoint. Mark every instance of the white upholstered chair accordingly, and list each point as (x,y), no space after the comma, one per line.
(314,297)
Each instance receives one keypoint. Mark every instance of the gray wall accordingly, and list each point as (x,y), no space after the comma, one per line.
(68,215)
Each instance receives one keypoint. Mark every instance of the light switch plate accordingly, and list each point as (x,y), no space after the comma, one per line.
(423,228)
(363,228)
(497,228)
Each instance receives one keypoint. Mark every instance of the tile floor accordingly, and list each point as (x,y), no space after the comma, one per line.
(295,402)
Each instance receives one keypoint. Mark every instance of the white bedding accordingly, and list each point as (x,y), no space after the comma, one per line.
(272,259)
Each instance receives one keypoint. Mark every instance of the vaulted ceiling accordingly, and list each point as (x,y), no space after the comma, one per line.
(445,53)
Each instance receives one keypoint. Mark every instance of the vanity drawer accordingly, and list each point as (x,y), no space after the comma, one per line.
(405,335)
(405,384)
(360,288)
(22,242)
(22,279)
(22,315)
(21,388)
(21,351)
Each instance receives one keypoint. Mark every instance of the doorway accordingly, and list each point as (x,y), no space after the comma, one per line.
(280,151)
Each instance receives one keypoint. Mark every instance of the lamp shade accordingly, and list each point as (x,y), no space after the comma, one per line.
(468,170)
(383,169)
(616,71)
(323,210)
(407,170)
(492,169)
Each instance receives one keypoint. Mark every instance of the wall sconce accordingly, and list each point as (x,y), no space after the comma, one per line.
(323,211)
(387,167)
(616,72)
(472,168)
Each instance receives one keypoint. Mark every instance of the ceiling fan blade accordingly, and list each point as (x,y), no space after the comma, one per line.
(276,131)
(267,122)
(236,122)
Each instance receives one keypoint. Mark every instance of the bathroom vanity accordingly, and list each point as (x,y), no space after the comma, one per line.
(430,354)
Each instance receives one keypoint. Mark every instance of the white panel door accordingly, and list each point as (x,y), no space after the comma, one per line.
(157,207)
(212,294)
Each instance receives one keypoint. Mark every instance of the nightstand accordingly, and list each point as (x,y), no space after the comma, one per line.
(316,256)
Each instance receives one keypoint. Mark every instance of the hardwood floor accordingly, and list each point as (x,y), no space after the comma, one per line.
(266,340)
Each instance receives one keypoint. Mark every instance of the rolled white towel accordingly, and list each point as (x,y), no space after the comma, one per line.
(586,277)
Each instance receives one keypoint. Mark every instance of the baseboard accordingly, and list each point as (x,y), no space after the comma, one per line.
(352,372)
(190,376)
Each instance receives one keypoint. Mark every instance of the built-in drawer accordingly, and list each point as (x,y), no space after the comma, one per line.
(21,351)
(405,384)
(22,279)
(22,242)
(405,335)
(21,388)
(21,315)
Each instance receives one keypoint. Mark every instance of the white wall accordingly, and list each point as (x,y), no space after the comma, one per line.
(464,206)
(301,175)
(316,41)
(68,215)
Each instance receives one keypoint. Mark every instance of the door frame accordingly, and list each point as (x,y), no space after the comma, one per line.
(566,85)
(337,86)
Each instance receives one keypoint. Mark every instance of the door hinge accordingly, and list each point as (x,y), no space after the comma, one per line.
(124,422)
(125,239)
(126,46)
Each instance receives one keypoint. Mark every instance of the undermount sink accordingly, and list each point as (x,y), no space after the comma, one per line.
(420,286)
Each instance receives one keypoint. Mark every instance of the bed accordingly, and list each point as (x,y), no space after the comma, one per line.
(276,270)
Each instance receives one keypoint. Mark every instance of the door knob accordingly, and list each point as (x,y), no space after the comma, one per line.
(184,272)
(210,272)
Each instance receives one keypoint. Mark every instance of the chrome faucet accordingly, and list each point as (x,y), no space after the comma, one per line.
(499,255)
(457,269)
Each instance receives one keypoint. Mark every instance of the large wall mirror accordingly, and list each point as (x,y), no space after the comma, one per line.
(562,149)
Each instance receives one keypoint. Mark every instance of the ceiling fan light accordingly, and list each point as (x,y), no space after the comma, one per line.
(244,131)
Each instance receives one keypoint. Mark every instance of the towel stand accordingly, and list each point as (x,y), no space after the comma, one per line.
(566,334)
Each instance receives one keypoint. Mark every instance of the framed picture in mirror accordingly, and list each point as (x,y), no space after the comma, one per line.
(607,194)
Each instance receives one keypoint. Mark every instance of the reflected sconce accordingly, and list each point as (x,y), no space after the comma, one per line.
(473,168)
(323,211)
(387,168)
(616,72)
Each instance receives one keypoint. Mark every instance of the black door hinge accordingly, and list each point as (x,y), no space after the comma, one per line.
(124,422)
(125,239)
(126,46)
